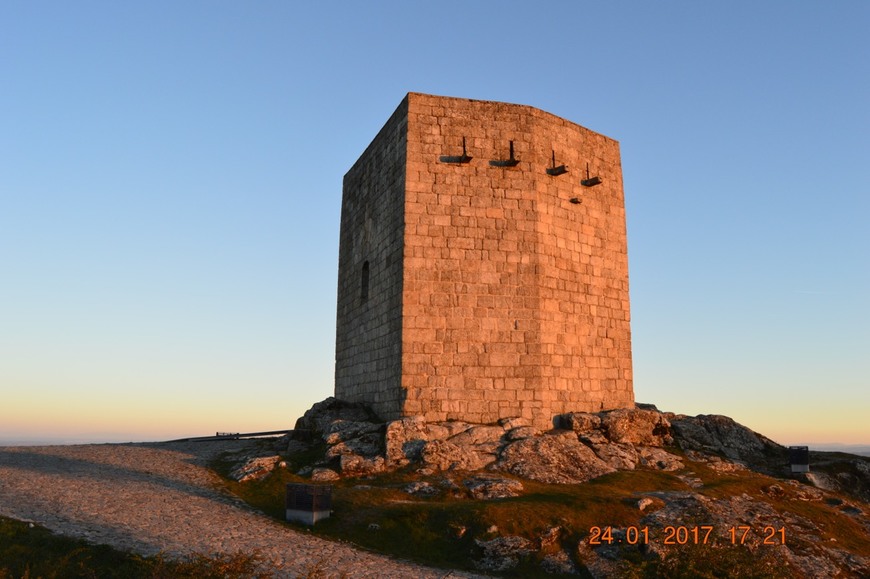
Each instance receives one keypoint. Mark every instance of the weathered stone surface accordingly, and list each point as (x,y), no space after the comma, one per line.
(720,434)
(619,456)
(580,422)
(522,432)
(255,468)
(552,458)
(424,228)
(320,417)
(502,553)
(493,487)
(404,439)
(444,455)
(477,435)
(366,445)
(635,426)
(344,430)
(657,458)
(513,422)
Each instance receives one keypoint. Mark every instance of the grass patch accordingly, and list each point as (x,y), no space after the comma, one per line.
(375,513)
(28,550)
(440,531)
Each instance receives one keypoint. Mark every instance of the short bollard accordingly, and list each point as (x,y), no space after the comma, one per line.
(308,503)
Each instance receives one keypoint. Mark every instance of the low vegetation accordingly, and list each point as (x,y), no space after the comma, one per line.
(445,530)
(28,551)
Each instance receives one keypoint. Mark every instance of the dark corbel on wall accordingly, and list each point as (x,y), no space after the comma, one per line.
(554,170)
(590,181)
(509,162)
(456,159)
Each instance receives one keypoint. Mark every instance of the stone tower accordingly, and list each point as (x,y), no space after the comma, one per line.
(483,271)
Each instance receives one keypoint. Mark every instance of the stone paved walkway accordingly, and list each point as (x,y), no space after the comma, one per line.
(152,498)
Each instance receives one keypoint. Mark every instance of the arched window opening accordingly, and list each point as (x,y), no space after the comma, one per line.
(364,286)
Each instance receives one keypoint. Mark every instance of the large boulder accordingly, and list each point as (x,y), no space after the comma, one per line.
(580,422)
(636,426)
(552,458)
(319,418)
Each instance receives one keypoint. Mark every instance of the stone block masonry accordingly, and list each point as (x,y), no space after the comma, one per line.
(474,284)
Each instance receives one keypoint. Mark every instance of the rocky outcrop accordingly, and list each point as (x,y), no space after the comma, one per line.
(716,434)
(586,446)
(492,463)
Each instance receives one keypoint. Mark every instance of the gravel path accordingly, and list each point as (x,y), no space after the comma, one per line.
(160,497)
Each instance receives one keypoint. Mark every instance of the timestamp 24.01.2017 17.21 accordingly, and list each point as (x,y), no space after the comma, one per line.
(684,535)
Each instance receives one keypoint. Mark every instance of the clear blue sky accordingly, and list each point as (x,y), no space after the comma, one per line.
(170,184)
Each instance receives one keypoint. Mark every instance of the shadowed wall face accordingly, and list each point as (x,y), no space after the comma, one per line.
(368,341)
(474,284)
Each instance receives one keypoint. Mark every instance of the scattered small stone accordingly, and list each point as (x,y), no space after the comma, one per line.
(550,537)
(324,475)
(643,503)
(493,487)
(421,488)
(458,530)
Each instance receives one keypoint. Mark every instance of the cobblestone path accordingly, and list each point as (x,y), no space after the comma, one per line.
(152,498)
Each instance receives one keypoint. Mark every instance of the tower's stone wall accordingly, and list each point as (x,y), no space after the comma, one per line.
(509,299)
(369,319)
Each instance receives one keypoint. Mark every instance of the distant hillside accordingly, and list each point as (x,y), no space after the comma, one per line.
(859,449)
